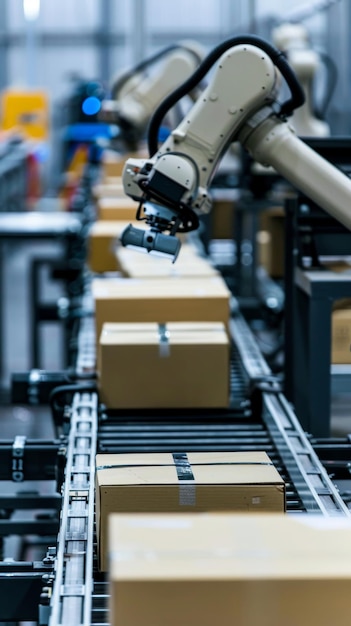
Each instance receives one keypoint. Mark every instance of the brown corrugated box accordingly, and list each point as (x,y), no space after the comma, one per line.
(222,216)
(272,222)
(103,240)
(341,317)
(341,335)
(136,265)
(180,482)
(112,162)
(116,208)
(226,569)
(173,365)
(153,300)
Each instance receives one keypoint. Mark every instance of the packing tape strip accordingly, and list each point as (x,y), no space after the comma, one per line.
(179,463)
(187,486)
(164,347)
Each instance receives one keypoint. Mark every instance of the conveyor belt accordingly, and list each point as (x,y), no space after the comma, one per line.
(274,429)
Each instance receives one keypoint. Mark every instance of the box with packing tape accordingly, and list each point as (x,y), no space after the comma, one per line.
(229,569)
(180,482)
(152,300)
(173,365)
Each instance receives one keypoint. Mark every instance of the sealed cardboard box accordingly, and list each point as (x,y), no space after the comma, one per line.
(180,482)
(173,365)
(112,162)
(103,241)
(136,265)
(151,300)
(341,336)
(229,570)
(117,208)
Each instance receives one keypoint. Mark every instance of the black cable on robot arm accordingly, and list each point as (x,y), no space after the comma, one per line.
(278,58)
(140,67)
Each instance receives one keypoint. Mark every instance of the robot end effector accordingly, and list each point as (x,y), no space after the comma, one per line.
(165,191)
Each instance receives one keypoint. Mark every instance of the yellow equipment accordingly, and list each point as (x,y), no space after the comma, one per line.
(26,112)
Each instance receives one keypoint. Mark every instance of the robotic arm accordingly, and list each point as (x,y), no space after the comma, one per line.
(136,93)
(239,104)
(306,62)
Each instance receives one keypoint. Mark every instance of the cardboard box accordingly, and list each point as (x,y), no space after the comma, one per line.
(152,300)
(103,241)
(122,208)
(223,216)
(272,222)
(192,482)
(112,162)
(136,265)
(341,336)
(229,570)
(173,365)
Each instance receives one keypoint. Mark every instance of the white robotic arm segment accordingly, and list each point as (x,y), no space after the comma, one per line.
(138,104)
(306,62)
(135,95)
(273,142)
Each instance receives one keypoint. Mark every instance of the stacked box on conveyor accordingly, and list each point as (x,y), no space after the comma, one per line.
(112,162)
(108,190)
(225,569)
(173,365)
(188,264)
(116,208)
(191,482)
(103,240)
(341,315)
(161,301)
